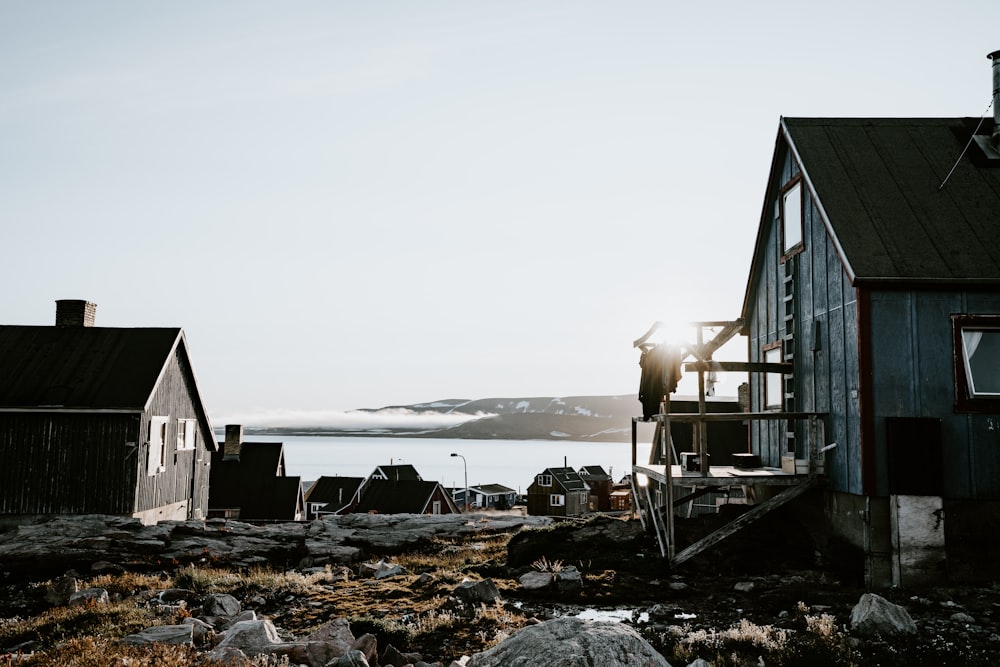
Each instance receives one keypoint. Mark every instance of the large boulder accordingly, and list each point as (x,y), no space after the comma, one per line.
(572,642)
(876,616)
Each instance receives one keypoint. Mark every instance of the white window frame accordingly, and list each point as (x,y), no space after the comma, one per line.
(543,480)
(187,434)
(773,391)
(791,218)
(156,461)
(557,500)
(972,337)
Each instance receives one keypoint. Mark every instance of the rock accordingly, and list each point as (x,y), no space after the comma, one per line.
(166,634)
(394,657)
(89,596)
(337,633)
(386,571)
(962,617)
(61,590)
(221,604)
(876,616)
(175,594)
(200,630)
(743,586)
(568,579)
(572,642)
(472,592)
(352,659)
(368,645)
(700,662)
(251,637)
(424,579)
(535,580)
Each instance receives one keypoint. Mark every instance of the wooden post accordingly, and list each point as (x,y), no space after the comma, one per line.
(668,491)
(700,428)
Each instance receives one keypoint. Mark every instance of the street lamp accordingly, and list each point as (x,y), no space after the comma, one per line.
(465,469)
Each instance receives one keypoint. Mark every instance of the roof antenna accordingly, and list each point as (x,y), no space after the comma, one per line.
(968,143)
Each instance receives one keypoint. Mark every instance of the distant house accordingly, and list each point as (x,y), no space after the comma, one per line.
(333,495)
(101,420)
(600,484)
(558,492)
(491,496)
(249,482)
(406,496)
(621,500)
(399,473)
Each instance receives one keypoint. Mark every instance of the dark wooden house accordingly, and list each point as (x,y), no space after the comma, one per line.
(101,420)
(876,275)
(405,496)
(557,492)
(398,473)
(249,481)
(599,482)
(333,495)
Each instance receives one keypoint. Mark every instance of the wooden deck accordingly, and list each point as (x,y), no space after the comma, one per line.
(721,476)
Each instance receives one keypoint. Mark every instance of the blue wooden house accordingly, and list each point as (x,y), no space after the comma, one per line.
(876,275)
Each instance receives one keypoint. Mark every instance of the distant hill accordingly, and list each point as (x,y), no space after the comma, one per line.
(597,418)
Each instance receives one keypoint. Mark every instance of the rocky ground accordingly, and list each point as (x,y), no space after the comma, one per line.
(765,596)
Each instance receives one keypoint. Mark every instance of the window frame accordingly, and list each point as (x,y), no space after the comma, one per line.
(771,378)
(965,399)
(557,500)
(543,480)
(159,431)
(185,428)
(783,197)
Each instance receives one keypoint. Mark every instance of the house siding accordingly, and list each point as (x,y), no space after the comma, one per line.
(912,358)
(826,379)
(187,472)
(68,463)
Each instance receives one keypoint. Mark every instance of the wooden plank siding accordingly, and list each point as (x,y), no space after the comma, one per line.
(912,341)
(826,380)
(187,472)
(41,475)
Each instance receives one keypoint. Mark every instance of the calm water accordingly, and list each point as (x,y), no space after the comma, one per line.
(513,463)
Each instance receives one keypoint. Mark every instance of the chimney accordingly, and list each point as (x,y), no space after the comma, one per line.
(995,139)
(234,442)
(75,313)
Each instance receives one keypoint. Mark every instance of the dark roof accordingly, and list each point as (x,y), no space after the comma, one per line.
(878,183)
(278,500)
(593,472)
(82,367)
(402,497)
(568,478)
(328,489)
(400,472)
(492,489)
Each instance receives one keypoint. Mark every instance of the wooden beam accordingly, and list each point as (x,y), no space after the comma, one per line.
(733,526)
(737,366)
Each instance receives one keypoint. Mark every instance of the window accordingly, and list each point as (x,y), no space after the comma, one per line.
(543,480)
(772,381)
(557,500)
(791,217)
(157,457)
(185,434)
(977,362)
(436,507)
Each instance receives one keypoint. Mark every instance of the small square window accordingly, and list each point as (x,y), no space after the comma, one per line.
(557,500)
(977,362)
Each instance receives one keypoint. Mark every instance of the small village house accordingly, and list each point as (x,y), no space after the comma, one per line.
(399,472)
(101,420)
(488,496)
(333,495)
(249,481)
(558,492)
(599,482)
(405,496)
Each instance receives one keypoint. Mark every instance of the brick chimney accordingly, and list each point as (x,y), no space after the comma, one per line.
(75,313)
(234,442)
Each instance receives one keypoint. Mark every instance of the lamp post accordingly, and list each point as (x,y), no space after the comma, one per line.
(465,469)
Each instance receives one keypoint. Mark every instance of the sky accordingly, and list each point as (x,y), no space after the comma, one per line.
(360,204)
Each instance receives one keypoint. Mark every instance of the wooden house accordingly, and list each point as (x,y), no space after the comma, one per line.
(490,496)
(405,496)
(101,420)
(558,492)
(399,473)
(333,495)
(599,482)
(249,481)
(876,275)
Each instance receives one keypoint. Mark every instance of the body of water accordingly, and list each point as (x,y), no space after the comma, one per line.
(513,463)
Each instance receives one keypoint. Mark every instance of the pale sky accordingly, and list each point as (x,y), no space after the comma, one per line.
(357,204)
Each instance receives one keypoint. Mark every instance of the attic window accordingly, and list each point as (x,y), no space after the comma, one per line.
(185,434)
(977,362)
(791,217)
(543,480)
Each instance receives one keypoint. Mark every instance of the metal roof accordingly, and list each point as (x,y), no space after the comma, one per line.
(877,183)
(568,478)
(327,489)
(82,367)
